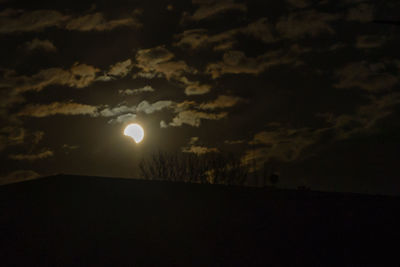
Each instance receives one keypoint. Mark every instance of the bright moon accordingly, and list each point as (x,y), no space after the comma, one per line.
(135,131)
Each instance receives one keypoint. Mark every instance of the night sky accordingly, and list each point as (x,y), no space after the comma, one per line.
(308,88)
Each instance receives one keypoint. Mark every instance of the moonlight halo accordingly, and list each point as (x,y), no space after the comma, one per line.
(135,131)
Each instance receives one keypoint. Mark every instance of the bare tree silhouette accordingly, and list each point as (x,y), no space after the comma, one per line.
(210,168)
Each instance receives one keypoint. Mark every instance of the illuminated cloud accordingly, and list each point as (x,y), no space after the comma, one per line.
(157,62)
(57,108)
(137,91)
(193,117)
(121,68)
(12,20)
(125,113)
(110,112)
(148,108)
(195,88)
(223,101)
(79,76)
(128,117)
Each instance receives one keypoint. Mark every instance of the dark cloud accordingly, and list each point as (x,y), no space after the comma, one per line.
(362,13)
(280,143)
(306,23)
(370,41)
(299,3)
(234,142)
(11,135)
(368,76)
(366,117)
(37,44)
(18,176)
(288,144)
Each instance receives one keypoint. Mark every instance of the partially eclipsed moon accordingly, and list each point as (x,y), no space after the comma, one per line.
(135,131)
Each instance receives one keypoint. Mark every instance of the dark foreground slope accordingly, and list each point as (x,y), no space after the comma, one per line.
(80,221)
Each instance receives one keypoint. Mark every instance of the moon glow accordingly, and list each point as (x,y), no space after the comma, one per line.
(135,131)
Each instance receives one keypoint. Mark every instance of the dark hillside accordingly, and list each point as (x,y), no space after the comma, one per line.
(80,221)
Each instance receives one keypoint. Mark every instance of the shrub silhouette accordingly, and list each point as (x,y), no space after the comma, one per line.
(274,178)
(271,174)
(210,168)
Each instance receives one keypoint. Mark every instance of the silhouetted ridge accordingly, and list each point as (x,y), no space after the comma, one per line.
(98,221)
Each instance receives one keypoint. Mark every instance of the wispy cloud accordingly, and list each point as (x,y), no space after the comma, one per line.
(236,62)
(79,76)
(146,88)
(97,22)
(223,101)
(18,176)
(32,157)
(194,148)
(260,29)
(370,41)
(14,21)
(208,9)
(368,76)
(193,117)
